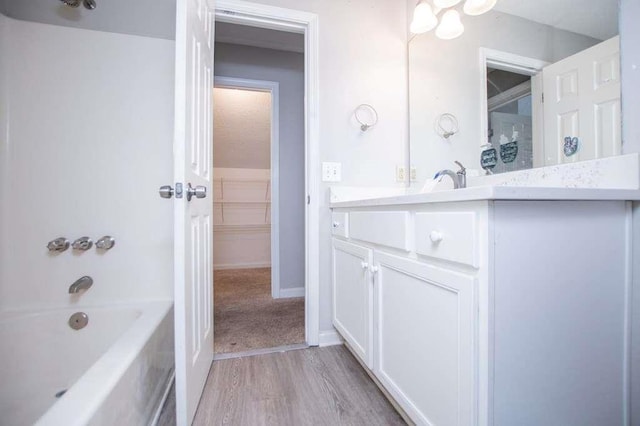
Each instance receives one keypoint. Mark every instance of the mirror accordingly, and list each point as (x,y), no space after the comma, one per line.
(528,84)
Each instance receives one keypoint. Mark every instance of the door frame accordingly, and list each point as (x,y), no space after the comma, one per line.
(272,87)
(522,65)
(281,19)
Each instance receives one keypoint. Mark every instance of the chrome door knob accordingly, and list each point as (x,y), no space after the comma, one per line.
(166,191)
(199,191)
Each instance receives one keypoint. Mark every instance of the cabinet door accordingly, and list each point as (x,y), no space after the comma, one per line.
(425,339)
(352,297)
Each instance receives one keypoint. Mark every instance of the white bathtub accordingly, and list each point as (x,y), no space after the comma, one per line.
(115,369)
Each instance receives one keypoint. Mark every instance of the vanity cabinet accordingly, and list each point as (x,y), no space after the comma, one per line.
(424,351)
(353,297)
(490,312)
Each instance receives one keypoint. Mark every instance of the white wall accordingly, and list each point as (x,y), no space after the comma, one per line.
(241,129)
(445,76)
(89,143)
(362,60)
(286,68)
(630,69)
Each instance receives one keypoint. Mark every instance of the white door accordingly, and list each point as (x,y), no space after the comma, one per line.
(193,219)
(425,339)
(582,100)
(353,298)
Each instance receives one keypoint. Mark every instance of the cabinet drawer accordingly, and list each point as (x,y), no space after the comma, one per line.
(384,228)
(340,224)
(448,235)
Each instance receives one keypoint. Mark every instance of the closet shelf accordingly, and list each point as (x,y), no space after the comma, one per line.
(241,202)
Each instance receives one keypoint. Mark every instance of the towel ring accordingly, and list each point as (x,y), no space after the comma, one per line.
(364,125)
(447,125)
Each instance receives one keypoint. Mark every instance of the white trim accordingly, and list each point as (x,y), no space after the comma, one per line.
(277,18)
(522,65)
(163,400)
(290,292)
(330,338)
(272,87)
(221,266)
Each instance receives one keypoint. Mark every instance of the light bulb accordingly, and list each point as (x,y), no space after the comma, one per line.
(478,7)
(423,19)
(450,26)
(443,4)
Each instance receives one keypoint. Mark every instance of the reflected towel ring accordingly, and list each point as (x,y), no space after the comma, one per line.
(360,111)
(447,125)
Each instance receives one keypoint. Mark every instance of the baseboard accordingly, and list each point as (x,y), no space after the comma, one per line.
(241,265)
(291,292)
(163,400)
(329,338)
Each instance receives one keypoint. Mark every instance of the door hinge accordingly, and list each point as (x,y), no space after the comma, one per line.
(543,98)
(308,199)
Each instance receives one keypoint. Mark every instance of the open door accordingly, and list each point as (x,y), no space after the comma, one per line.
(582,104)
(193,215)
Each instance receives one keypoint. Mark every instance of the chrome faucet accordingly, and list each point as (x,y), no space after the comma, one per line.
(459,178)
(82,283)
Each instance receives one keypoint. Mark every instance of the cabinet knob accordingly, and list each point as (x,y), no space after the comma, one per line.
(375,269)
(364,265)
(436,236)
(336,224)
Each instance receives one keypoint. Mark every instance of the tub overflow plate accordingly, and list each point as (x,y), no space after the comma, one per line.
(78,320)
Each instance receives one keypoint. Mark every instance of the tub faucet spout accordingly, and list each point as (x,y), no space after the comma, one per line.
(82,283)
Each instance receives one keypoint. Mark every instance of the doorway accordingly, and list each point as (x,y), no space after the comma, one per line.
(259,279)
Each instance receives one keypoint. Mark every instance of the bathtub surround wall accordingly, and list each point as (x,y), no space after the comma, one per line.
(135,21)
(286,68)
(88,144)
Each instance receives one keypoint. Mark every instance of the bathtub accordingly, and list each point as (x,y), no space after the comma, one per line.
(114,371)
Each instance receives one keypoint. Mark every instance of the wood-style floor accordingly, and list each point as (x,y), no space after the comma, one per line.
(315,386)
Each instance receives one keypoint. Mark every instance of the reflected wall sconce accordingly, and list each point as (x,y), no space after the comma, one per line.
(425,16)
(367,116)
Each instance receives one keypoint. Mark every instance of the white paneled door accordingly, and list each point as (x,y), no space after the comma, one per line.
(193,218)
(582,101)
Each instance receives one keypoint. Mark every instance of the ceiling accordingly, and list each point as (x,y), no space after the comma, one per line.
(593,18)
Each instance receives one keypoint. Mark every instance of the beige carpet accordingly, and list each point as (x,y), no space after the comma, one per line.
(246,317)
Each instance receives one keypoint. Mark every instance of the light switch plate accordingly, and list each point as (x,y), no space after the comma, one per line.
(331,172)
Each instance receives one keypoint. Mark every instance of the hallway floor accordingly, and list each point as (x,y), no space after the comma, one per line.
(315,386)
(246,317)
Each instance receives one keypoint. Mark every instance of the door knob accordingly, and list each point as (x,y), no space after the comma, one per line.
(166,191)
(199,191)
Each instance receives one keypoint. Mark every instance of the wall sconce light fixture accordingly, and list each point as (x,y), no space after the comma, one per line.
(425,17)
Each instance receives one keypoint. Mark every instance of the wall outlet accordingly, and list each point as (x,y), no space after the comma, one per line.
(413,174)
(331,172)
(401,173)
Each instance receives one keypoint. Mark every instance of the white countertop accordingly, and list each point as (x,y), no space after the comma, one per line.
(495,193)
